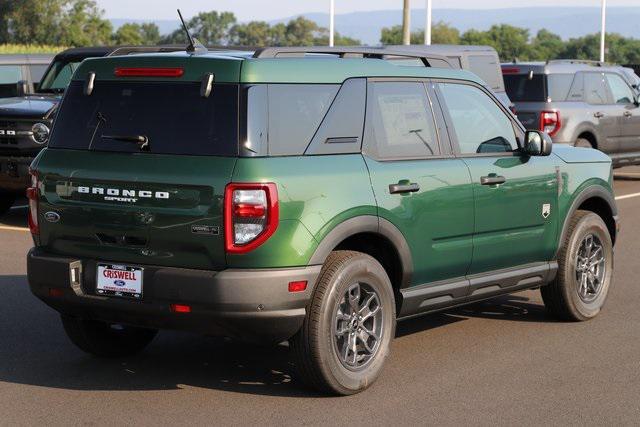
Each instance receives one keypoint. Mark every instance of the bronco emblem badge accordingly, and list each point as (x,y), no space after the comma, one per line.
(546,210)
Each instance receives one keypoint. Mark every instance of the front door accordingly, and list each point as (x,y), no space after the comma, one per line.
(515,211)
(419,186)
(629,121)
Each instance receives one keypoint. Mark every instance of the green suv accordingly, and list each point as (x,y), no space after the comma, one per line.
(312,195)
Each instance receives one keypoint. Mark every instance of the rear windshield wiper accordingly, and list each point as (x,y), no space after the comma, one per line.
(140,140)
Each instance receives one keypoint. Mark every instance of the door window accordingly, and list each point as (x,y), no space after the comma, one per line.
(622,93)
(595,89)
(400,121)
(479,124)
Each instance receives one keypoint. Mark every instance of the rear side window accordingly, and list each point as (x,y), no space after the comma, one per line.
(37,71)
(480,125)
(622,93)
(558,86)
(295,112)
(521,88)
(595,89)
(171,115)
(487,68)
(399,121)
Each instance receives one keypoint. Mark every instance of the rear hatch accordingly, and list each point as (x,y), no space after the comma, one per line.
(136,170)
(528,92)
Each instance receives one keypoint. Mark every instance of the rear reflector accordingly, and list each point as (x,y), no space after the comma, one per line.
(55,292)
(149,72)
(550,122)
(32,196)
(299,286)
(180,308)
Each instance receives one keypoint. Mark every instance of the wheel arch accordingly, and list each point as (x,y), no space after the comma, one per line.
(376,237)
(589,135)
(598,200)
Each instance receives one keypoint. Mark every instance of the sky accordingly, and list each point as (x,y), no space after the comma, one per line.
(246,10)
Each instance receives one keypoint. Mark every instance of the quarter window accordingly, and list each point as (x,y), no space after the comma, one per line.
(480,126)
(400,121)
(595,89)
(622,93)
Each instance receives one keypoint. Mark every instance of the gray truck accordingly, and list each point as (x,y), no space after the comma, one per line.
(581,103)
(21,74)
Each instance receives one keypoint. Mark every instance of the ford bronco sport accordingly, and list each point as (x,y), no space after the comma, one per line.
(315,198)
(581,103)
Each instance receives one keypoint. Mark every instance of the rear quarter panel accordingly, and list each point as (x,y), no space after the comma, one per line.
(315,193)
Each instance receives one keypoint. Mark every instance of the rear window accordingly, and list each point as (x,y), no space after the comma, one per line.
(521,88)
(172,116)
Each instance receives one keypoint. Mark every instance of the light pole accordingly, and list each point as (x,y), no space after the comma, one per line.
(603,29)
(332,23)
(427,26)
(406,23)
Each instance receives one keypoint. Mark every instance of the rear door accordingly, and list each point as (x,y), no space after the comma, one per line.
(515,213)
(155,202)
(419,186)
(603,111)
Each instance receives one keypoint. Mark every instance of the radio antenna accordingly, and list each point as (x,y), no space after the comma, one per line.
(194,46)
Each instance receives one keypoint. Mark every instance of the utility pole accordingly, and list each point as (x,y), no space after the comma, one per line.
(427,26)
(332,21)
(406,23)
(603,30)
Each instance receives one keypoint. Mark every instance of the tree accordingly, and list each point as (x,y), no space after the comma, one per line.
(510,42)
(33,21)
(150,33)
(128,34)
(210,28)
(545,45)
(302,32)
(441,33)
(255,33)
(82,25)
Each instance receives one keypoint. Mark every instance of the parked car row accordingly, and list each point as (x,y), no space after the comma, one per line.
(581,103)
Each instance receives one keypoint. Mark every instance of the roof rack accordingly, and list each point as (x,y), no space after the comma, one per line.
(429,60)
(578,61)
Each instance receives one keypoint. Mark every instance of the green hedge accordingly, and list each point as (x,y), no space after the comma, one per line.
(29,48)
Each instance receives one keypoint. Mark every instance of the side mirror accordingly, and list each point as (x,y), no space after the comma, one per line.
(22,88)
(537,143)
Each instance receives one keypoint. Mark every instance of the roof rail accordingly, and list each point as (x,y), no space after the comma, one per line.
(578,61)
(429,60)
(128,50)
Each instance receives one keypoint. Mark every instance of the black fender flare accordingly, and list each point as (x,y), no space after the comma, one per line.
(587,128)
(367,224)
(593,191)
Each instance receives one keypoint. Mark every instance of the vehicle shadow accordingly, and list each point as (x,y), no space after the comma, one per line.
(16,216)
(35,351)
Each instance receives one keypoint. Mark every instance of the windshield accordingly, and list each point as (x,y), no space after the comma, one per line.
(153,117)
(58,77)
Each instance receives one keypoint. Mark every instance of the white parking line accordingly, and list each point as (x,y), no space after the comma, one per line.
(19,207)
(9,228)
(628,196)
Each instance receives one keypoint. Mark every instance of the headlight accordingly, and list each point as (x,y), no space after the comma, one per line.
(40,133)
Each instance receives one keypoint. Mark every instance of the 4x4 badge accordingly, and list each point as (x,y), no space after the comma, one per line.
(546,210)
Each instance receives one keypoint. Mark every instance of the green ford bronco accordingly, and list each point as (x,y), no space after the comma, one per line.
(310,195)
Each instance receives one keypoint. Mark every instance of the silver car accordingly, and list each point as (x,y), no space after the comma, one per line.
(586,104)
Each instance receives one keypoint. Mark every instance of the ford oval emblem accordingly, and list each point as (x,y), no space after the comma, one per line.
(119,283)
(52,216)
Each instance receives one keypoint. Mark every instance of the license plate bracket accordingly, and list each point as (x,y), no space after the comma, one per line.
(122,281)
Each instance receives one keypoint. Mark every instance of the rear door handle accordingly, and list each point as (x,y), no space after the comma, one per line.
(403,188)
(492,180)
(598,115)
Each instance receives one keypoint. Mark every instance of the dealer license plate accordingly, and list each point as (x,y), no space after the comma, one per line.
(119,281)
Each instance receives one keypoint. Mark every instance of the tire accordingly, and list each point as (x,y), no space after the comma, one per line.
(319,351)
(567,297)
(582,142)
(104,339)
(6,201)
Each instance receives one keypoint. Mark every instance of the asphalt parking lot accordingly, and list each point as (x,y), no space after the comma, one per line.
(498,362)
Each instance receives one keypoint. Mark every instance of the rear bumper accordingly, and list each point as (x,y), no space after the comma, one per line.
(252,305)
(14,173)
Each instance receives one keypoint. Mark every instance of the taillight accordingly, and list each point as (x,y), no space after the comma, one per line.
(510,70)
(33,195)
(250,215)
(550,122)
